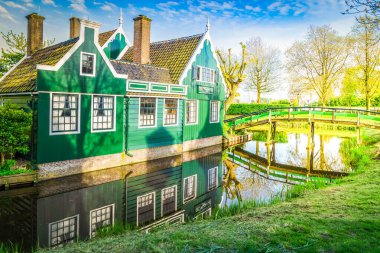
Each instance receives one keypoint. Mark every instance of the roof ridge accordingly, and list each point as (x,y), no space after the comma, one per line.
(180,38)
(139,64)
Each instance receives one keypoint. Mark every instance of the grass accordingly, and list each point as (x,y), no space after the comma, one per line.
(343,217)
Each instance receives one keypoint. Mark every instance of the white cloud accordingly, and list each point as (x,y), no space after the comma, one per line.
(28,3)
(107,6)
(274,6)
(49,2)
(5,14)
(14,5)
(78,5)
(251,8)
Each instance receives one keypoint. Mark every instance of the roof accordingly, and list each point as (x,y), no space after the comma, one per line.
(171,54)
(142,72)
(23,77)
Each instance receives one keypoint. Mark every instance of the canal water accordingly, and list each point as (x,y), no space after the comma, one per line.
(148,195)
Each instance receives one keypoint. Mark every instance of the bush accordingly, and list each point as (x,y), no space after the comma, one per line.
(236,109)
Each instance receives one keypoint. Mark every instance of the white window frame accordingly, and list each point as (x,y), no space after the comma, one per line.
(207,211)
(137,206)
(195,188)
(114,114)
(51,114)
(155,118)
(94,67)
(218,104)
(200,70)
(164,114)
(67,218)
(216,179)
(176,198)
(197,112)
(94,210)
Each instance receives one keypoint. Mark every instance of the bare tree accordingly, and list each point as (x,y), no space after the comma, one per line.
(369,7)
(318,61)
(263,67)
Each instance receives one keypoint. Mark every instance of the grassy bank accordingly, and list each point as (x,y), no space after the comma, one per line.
(344,217)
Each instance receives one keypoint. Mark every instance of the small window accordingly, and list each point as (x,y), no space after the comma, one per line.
(214,111)
(169,198)
(212,178)
(203,215)
(103,113)
(64,113)
(87,64)
(191,112)
(189,185)
(147,112)
(145,209)
(206,75)
(170,113)
(63,231)
(100,218)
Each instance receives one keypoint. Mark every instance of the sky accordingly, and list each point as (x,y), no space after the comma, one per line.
(279,23)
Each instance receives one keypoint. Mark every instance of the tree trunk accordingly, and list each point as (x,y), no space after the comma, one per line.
(258,97)
(367,103)
(2,158)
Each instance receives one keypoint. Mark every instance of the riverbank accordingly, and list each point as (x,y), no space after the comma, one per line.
(341,217)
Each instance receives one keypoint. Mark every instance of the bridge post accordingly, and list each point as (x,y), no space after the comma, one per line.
(358,129)
(333,116)
(270,116)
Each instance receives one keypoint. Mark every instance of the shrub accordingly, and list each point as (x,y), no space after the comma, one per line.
(236,109)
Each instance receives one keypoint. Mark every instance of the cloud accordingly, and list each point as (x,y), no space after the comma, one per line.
(28,3)
(49,2)
(251,8)
(78,5)
(274,6)
(5,14)
(107,6)
(14,5)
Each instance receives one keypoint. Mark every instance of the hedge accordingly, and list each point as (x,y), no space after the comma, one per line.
(237,109)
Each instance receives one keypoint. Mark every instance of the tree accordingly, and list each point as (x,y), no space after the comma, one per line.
(318,61)
(369,7)
(233,73)
(15,125)
(263,67)
(366,57)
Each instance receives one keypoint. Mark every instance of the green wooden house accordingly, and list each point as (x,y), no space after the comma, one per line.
(99,102)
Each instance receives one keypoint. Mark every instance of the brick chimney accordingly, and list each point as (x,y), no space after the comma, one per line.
(74,27)
(35,33)
(141,40)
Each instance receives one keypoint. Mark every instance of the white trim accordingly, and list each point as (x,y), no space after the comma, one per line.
(49,227)
(208,211)
(94,64)
(197,113)
(216,178)
(93,210)
(113,36)
(83,24)
(15,66)
(200,74)
(176,198)
(114,115)
(195,188)
(164,114)
(152,96)
(149,90)
(210,109)
(79,93)
(78,114)
(155,119)
(137,206)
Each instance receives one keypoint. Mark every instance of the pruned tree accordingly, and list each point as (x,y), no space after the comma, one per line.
(318,61)
(263,68)
(233,73)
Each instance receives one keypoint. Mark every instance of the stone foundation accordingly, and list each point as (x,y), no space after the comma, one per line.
(202,143)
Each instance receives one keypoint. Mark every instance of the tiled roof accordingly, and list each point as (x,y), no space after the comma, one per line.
(171,54)
(23,77)
(103,37)
(141,72)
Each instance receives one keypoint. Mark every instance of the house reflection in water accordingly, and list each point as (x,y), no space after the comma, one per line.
(144,195)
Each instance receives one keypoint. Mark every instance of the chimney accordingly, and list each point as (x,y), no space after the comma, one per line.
(141,40)
(35,33)
(74,27)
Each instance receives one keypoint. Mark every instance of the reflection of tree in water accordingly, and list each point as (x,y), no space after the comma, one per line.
(231,185)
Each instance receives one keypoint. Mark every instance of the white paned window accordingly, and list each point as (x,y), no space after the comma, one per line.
(87,67)
(212,178)
(145,209)
(147,116)
(189,187)
(169,200)
(64,113)
(170,111)
(63,231)
(214,111)
(206,75)
(103,112)
(191,111)
(100,218)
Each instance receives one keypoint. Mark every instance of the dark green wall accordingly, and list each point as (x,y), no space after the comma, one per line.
(114,48)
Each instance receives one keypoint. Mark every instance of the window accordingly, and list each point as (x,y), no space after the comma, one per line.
(103,112)
(191,112)
(63,231)
(214,111)
(203,215)
(206,75)
(170,111)
(147,112)
(212,178)
(189,185)
(101,218)
(145,209)
(169,200)
(87,67)
(64,113)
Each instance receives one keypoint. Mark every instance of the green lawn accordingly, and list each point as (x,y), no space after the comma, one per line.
(344,217)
